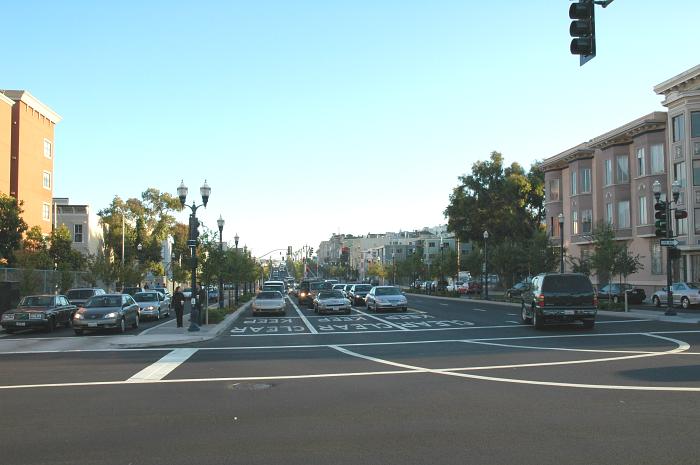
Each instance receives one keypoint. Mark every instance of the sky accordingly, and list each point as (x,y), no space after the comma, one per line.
(309,118)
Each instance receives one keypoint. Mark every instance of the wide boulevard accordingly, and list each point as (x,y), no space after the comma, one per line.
(448,381)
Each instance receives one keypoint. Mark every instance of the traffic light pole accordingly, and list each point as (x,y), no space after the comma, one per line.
(669,269)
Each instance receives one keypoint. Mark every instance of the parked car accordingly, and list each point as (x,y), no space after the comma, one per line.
(79,296)
(454,286)
(358,292)
(39,311)
(684,294)
(269,301)
(616,293)
(517,290)
(213,294)
(152,304)
(165,293)
(131,290)
(187,292)
(331,301)
(559,298)
(472,287)
(386,298)
(109,311)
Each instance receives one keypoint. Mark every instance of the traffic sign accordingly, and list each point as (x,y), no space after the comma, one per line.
(669,242)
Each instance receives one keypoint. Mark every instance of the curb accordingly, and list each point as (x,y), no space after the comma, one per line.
(180,340)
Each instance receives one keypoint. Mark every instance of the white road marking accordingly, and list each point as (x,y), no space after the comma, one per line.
(303,318)
(444,305)
(478,309)
(514,322)
(382,320)
(162,367)
(512,314)
(146,331)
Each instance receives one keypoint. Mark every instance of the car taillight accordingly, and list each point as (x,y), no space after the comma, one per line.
(540,300)
(595,300)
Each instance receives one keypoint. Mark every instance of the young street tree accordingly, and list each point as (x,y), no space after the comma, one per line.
(12,226)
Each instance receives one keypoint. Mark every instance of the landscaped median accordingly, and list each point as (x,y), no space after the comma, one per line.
(216,315)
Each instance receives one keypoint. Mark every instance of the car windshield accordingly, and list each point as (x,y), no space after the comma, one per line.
(330,295)
(145,297)
(79,294)
(363,288)
(316,286)
(266,295)
(104,301)
(388,291)
(36,301)
(339,286)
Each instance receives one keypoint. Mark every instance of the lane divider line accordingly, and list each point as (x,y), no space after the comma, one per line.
(162,368)
(382,320)
(303,318)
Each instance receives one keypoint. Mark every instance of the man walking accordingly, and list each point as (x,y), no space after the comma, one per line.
(179,305)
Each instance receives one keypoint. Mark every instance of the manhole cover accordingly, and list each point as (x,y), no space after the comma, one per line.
(250,386)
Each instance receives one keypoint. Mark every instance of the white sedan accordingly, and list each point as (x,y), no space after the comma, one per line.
(269,301)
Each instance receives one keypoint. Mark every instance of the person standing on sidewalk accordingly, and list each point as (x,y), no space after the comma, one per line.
(179,305)
(201,303)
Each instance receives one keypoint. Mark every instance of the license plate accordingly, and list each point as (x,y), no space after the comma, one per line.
(21,323)
(568,312)
(92,325)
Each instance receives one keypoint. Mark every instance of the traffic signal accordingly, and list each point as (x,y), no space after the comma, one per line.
(289,250)
(680,214)
(194,224)
(582,29)
(661,220)
(311,251)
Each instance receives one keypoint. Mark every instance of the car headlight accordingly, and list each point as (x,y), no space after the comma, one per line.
(303,294)
(8,316)
(110,315)
(78,315)
(36,316)
(150,307)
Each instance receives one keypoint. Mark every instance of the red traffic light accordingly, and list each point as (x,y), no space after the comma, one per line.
(581,10)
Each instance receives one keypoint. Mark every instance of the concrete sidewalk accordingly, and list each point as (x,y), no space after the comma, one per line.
(168,333)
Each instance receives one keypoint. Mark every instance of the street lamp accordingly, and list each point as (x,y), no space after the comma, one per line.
(675,191)
(235,241)
(561,234)
(486,268)
(204,191)
(220,224)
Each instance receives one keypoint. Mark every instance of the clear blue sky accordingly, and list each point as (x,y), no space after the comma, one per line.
(314,117)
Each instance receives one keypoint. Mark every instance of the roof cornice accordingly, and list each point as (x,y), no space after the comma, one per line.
(30,100)
(625,134)
(562,160)
(680,82)
(6,99)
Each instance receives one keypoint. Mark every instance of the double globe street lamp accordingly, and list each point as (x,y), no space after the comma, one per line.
(220,224)
(205,190)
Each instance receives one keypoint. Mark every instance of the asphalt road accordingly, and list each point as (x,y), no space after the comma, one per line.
(447,382)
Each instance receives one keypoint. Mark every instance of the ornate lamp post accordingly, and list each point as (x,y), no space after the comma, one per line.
(220,224)
(561,235)
(486,268)
(235,241)
(205,190)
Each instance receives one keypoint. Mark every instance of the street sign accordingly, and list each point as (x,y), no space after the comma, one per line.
(669,242)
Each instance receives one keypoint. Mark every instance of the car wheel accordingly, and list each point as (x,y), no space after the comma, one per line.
(122,326)
(158,315)
(588,324)
(135,325)
(685,303)
(508,295)
(537,320)
(656,301)
(9,331)
(524,319)
(78,332)
(404,309)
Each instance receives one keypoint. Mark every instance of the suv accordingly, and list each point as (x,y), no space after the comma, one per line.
(79,296)
(559,298)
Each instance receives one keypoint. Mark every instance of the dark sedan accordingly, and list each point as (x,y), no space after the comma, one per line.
(616,293)
(109,311)
(39,311)
(358,292)
(517,290)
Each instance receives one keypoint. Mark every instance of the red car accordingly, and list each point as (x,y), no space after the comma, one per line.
(472,287)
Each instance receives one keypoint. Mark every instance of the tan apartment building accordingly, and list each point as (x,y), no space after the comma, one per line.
(610,178)
(6,105)
(31,156)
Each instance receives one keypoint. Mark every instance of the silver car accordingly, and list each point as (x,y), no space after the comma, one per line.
(331,301)
(269,301)
(109,311)
(684,294)
(386,298)
(153,304)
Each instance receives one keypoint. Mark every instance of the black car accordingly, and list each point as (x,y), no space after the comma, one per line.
(358,292)
(79,296)
(304,294)
(616,293)
(517,290)
(39,311)
(559,298)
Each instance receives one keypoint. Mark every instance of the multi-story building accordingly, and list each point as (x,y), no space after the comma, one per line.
(31,155)
(6,105)
(82,223)
(610,178)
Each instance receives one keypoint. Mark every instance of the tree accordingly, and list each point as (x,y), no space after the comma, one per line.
(35,251)
(376,269)
(12,226)
(625,263)
(61,250)
(605,252)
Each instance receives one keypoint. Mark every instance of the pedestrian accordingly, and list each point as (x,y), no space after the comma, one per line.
(179,304)
(201,302)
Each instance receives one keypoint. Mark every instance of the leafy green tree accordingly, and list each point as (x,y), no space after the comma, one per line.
(376,269)
(605,252)
(12,226)
(35,251)
(62,252)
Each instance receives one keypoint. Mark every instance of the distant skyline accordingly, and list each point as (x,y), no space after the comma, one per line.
(310,118)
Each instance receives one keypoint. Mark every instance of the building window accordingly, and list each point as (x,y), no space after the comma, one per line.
(47,180)
(623,214)
(431,244)
(46,212)
(656,265)
(623,172)
(586,180)
(48,148)
(554,190)
(574,222)
(695,124)
(607,175)
(678,128)
(643,215)
(574,185)
(696,172)
(609,213)
(681,227)
(657,159)
(641,162)
(586,221)
(78,233)
(697,220)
